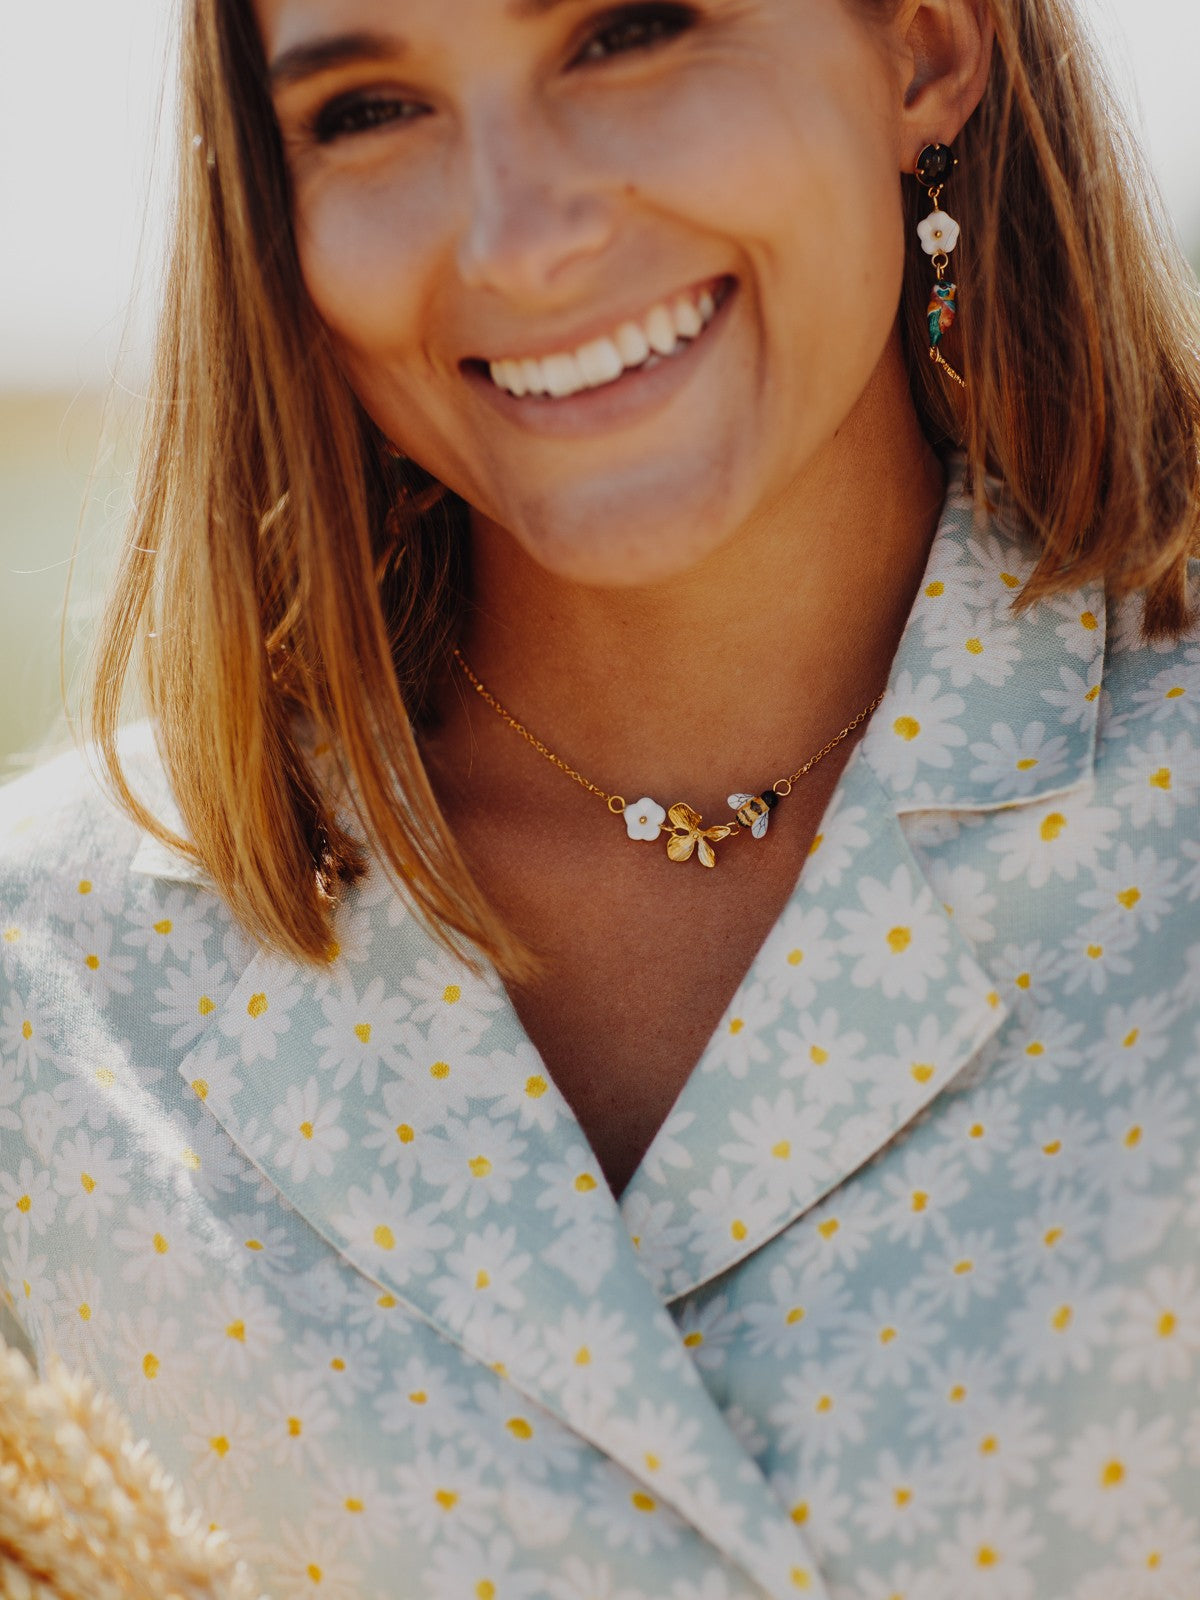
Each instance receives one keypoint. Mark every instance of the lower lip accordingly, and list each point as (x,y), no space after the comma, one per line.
(628,399)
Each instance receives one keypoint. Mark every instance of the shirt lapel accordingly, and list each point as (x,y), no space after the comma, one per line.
(867,1001)
(396,1104)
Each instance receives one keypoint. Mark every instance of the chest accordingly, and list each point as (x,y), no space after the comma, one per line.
(641,957)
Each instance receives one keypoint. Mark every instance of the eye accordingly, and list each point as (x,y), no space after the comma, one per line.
(635,27)
(359,113)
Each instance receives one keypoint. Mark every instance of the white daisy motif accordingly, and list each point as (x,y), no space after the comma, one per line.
(917,725)
(474,1163)
(988,655)
(90,1179)
(189,997)
(312,1134)
(1158,1331)
(1158,777)
(1015,766)
(257,1021)
(988,1557)
(484,1274)
(1113,1473)
(898,941)
(362,1033)
(1052,838)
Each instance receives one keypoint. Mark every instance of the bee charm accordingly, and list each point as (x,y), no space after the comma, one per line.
(754,810)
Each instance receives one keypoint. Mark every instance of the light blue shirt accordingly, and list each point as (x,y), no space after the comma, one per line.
(903,1302)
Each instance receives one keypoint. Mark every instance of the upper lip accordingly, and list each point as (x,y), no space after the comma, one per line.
(598,327)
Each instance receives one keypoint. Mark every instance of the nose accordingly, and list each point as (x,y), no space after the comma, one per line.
(536,207)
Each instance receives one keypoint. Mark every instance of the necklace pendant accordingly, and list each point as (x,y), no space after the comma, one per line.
(689,836)
(753,811)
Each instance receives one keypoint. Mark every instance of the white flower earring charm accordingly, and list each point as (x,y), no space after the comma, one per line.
(939,236)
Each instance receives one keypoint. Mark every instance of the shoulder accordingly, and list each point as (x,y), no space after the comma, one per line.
(72,859)
(1151,697)
(60,830)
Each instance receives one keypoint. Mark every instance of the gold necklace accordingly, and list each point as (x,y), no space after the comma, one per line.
(645,819)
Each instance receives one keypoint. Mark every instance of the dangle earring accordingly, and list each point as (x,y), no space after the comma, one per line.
(939,235)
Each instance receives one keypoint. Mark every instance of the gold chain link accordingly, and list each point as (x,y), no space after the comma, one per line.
(616,802)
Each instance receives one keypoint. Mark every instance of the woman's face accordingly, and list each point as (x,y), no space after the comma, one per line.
(614,273)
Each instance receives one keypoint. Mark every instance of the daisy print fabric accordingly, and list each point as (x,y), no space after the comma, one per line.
(903,1302)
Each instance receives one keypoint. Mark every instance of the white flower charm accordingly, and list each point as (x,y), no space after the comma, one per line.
(939,233)
(644,819)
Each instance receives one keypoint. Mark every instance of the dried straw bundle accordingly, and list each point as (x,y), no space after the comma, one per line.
(87,1514)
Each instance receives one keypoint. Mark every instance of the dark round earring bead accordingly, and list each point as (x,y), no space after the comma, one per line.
(935,164)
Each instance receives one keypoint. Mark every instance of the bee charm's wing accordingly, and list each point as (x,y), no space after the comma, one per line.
(736,801)
(761,826)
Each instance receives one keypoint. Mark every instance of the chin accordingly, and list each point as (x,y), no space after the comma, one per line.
(616,537)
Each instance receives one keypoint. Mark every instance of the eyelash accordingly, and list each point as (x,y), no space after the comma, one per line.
(632,28)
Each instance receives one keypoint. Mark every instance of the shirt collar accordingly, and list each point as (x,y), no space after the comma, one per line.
(1031,679)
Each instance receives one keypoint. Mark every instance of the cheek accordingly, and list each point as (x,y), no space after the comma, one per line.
(365,252)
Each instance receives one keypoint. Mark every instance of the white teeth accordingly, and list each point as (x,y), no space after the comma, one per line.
(688,321)
(633,344)
(563,376)
(532,377)
(600,362)
(662,332)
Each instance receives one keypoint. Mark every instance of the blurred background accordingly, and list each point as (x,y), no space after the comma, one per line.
(85,118)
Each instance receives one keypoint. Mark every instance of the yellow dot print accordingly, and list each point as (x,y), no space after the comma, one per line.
(536,1086)
(27,1030)
(480,1166)
(1052,826)
(642,1501)
(384,1237)
(974,647)
(693,1340)
(906,728)
(88,1182)
(206,1005)
(256,1006)
(899,940)
(1160,779)
(151,1365)
(452,994)
(362,1032)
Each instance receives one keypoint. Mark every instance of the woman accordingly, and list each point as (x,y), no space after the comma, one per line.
(485,1162)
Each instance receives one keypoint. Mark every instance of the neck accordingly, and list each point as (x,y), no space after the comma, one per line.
(732,675)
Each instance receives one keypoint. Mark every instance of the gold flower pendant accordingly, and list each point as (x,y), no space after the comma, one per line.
(689,835)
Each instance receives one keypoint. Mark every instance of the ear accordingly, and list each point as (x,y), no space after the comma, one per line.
(945,54)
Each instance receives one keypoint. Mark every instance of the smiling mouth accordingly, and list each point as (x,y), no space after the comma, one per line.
(667,329)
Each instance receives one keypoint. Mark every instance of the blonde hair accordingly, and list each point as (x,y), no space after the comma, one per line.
(285,582)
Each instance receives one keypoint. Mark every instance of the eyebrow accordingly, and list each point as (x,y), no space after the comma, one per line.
(326,54)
